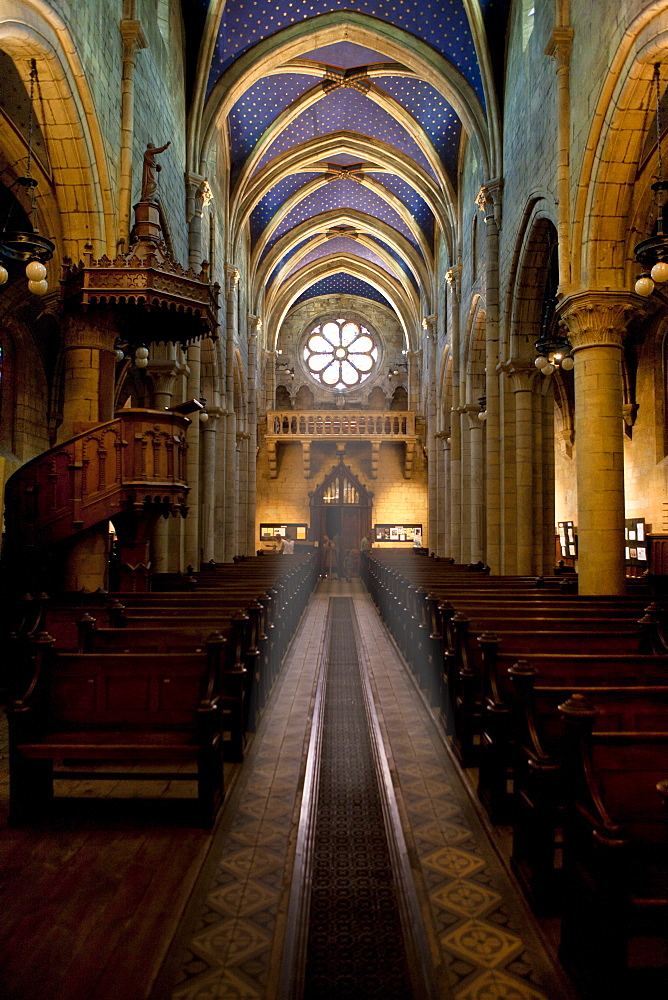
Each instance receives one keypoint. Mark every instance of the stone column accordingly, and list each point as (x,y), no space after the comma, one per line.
(453,514)
(88,390)
(209,478)
(414,360)
(477,481)
(522,379)
(231,456)
(597,323)
(192,525)
(429,326)
(254,328)
(198,194)
(445,498)
(164,368)
(462,422)
(489,201)
(132,39)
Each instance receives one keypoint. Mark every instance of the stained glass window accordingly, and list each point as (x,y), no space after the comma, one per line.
(340,354)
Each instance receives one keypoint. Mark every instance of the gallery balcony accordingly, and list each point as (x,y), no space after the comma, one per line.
(371,427)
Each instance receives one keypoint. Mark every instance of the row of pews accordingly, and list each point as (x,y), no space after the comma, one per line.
(150,685)
(561,703)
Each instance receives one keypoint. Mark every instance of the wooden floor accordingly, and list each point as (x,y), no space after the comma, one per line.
(90,899)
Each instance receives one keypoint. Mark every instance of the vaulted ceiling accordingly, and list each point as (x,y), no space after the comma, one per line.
(343,122)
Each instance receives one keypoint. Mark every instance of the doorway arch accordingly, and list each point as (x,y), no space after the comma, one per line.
(341,505)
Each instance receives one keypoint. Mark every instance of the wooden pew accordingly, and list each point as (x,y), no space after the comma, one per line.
(164,709)
(556,670)
(614,923)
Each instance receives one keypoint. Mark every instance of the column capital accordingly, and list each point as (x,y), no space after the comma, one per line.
(133,37)
(559,46)
(521,373)
(231,279)
(429,322)
(97,332)
(254,324)
(489,199)
(596,319)
(453,276)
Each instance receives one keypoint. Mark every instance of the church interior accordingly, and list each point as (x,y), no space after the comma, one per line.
(333,450)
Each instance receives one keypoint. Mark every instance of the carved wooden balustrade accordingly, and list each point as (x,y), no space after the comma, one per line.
(136,461)
(372,426)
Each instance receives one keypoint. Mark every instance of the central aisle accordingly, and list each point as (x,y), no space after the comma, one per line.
(479,932)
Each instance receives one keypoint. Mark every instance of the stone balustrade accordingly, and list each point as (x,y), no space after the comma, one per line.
(372,426)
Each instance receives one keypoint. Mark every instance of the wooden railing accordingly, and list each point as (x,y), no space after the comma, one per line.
(137,460)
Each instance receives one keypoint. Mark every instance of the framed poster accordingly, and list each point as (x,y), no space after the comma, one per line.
(635,548)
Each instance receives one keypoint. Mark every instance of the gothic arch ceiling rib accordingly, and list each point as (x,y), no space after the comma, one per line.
(301,239)
(347,118)
(301,284)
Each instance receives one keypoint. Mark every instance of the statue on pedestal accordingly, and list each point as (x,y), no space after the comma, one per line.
(149,179)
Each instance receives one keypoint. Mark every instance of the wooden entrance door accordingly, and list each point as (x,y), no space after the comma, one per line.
(341,509)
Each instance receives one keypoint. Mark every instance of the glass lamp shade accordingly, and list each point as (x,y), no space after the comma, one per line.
(540,361)
(203,417)
(568,363)
(35,271)
(38,287)
(660,271)
(4,275)
(119,354)
(141,362)
(142,354)
(548,369)
(644,286)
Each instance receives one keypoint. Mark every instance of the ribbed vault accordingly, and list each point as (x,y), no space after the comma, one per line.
(342,133)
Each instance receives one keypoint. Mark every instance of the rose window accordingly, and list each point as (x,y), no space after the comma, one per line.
(340,354)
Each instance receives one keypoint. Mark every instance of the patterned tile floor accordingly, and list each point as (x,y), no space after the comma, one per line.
(481,936)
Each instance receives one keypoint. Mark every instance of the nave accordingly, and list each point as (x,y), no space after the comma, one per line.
(477,931)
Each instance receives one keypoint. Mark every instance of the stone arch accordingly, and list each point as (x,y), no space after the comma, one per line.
(536,244)
(29,30)
(475,351)
(612,188)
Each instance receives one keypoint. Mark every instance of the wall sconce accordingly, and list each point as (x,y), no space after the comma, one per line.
(482,415)
(203,415)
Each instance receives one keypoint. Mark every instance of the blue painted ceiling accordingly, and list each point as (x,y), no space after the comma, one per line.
(354,95)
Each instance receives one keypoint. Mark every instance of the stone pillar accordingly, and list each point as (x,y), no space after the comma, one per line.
(489,201)
(429,326)
(88,391)
(209,479)
(231,455)
(559,47)
(477,481)
(445,498)
(597,323)
(453,514)
(522,383)
(164,368)
(254,328)
(192,526)
(462,422)
(414,360)
(198,194)
(132,39)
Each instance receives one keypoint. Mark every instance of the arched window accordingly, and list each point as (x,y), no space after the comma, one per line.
(340,353)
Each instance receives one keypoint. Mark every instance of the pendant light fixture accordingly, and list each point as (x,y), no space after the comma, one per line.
(652,253)
(30,248)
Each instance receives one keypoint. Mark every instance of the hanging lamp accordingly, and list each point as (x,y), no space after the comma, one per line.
(30,248)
